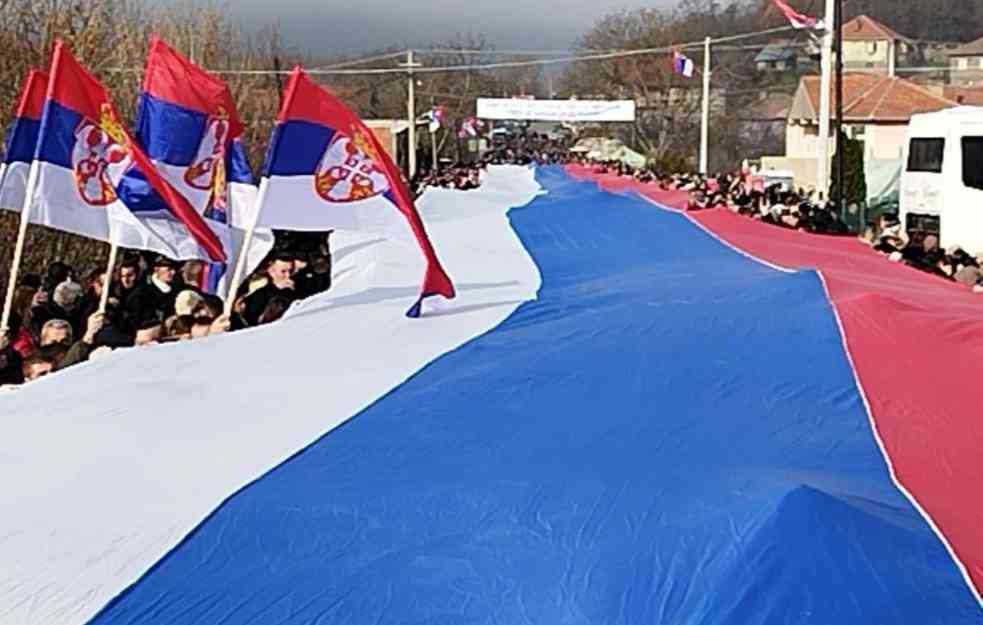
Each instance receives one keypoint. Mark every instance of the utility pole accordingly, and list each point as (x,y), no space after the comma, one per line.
(825,89)
(705,124)
(411,112)
(840,162)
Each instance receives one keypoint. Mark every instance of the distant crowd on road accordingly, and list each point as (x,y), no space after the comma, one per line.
(746,193)
(56,322)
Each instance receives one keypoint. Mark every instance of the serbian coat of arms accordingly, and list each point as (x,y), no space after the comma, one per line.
(100,158)
(207,171)
(349,170)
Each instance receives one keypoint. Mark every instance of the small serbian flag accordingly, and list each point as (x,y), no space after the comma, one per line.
(682,64)
(326,170)
(189,127)
(798,20)
(22,140)
(83,153)
(436,118)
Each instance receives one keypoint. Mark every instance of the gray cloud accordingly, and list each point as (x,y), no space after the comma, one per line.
(333,26)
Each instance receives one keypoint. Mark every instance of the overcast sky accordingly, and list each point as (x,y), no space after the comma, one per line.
(346,26)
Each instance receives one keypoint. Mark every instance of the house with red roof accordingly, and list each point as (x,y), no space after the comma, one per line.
(870,46)
(876,110)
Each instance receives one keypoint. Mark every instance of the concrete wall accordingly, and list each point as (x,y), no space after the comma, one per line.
(803,169)
(967,71)
(802,141)
(866,55)
(886,142)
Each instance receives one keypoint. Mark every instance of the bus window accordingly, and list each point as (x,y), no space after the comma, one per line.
(973,162)
(925,155)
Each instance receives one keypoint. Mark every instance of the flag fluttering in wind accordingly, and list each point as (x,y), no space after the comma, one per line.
(798,20)
(436,118)
(22,139)
(189,126)
(470,127)
(84,153)
(682,64)
(325,169)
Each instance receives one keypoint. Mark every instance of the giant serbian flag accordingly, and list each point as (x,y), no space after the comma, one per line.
(83,153)
(22,139)
(188,124)
(325,169)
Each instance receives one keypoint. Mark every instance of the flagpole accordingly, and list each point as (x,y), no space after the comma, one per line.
(411,112)
(825,86)
(705,122)
(433,148)
(107,281)
(840,165)
(244,250)
(25,214)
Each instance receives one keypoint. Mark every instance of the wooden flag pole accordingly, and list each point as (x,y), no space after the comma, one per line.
(433,147)
(107,281)
(25,214)
(244,250)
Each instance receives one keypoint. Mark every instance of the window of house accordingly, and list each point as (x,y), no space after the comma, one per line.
(925,155)
(962,63)
(973,162)
(871,47)
(979,62)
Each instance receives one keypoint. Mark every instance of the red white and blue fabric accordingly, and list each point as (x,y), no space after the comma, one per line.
(22,139)
(682,65)
(189,126)
(436,118)
(796,19)
(470,127)
(83,154)
(326,170)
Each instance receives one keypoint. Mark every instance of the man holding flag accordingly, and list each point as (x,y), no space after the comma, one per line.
(75,182)
(326,170)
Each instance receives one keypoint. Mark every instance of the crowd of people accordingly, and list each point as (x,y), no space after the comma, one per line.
(744,193)
(56,321)
(521,149)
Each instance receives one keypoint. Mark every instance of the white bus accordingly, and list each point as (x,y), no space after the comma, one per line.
(942,182)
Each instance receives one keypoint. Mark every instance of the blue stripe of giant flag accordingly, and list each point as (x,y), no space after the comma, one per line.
(671,433)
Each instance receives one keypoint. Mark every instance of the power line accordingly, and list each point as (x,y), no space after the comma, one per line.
(337,71)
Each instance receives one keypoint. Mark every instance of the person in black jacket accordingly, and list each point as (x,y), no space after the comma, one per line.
(279,273)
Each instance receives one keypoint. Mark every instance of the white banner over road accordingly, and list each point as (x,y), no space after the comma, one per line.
(557,110)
